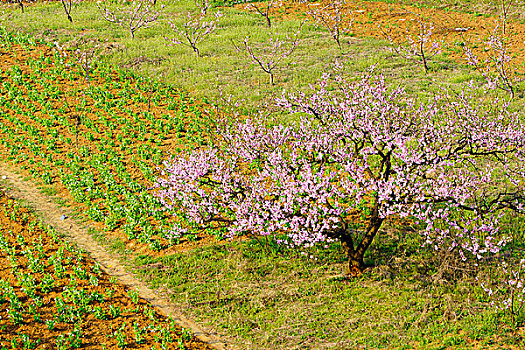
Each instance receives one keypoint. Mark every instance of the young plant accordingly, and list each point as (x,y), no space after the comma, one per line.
(132,15)
(139,333)
(50,324)
(331,17)
(180,344)
(359,150)
(120,336)
(497,68)
(419,47)
(75,338)
(99,313)
(27,343)
(15,315)
(114,311)
(47,283)
(186,334)
(194,30)
(270,54)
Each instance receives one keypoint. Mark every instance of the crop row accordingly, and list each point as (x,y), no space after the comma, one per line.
(52,294)
(101,138)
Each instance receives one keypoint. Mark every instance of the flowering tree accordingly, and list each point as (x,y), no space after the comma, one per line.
(83,52)
(195,29)
(331,17)
(132,15)
(68,6)
(270,54)
(359,156)
(420,46)
(497,68)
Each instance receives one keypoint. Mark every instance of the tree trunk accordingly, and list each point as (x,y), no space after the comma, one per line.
(196,50)
(356,265)
(356,254)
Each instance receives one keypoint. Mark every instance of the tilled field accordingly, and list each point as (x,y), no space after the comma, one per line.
(99,141)
(53,296)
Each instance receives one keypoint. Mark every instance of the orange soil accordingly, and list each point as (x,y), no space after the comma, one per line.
(381,19)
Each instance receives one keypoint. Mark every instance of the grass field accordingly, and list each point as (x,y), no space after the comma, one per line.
(97,144)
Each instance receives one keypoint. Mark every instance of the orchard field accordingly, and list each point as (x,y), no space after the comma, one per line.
(293,175)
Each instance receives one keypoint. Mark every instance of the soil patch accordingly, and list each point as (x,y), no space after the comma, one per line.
(386,19)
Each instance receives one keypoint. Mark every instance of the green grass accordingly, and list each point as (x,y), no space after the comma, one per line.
(271,299)
(48,190)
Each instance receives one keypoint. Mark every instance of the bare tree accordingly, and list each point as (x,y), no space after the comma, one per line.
(132,15)
(264,9)
(194,30)
(269,55)
(331,17)
(68,6)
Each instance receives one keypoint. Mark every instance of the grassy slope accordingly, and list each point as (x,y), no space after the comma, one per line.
(221,67)
(288,301)
(282,300)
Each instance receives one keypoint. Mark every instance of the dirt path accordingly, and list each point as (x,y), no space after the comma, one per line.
(51,213)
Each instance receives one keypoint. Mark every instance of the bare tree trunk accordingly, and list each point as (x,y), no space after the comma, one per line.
(356,254)
(196,50)
(422,52)
(355,264)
